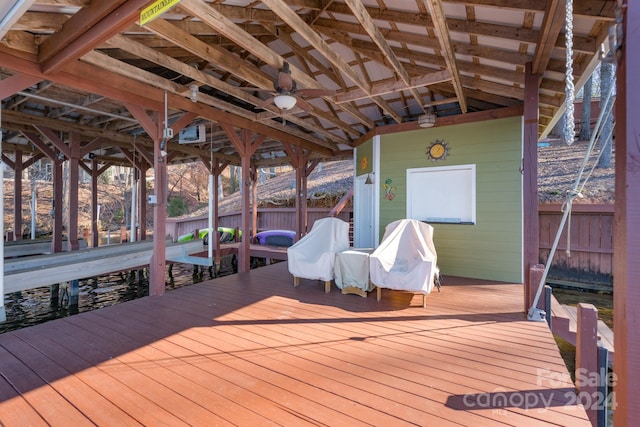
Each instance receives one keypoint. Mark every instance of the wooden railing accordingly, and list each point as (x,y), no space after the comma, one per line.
(268,219)
(342,203)
(591,237)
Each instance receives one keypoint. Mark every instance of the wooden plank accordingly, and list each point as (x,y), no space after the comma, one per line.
(22,248)
(87,400)
(249,349)
(43,270)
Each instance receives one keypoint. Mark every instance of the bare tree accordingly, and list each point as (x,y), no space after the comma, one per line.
(585,121)
(607,80)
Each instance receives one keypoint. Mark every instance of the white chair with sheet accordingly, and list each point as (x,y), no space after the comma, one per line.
(313,256)
(406,259)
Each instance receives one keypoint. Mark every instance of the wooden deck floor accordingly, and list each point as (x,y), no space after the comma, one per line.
(250,349)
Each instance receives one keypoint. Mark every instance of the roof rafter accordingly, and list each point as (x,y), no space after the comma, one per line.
(440,27)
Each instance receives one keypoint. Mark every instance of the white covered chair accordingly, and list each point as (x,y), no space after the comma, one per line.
(406,258)
(313,256)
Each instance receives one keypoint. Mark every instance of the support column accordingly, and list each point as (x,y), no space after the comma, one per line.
(74,178)
(626,239)
(17,196)
(530,221)
(301,193)
(154,126)
(587,359)
(158,260)
(254,203)
(57,208)
(143,203)
(95,232)
(245,147)
(244,250)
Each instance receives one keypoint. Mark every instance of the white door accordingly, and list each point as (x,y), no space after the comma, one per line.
(363,213)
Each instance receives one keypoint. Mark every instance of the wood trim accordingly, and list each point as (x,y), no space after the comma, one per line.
(498,113)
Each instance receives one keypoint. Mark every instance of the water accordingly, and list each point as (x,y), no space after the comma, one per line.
(33,306)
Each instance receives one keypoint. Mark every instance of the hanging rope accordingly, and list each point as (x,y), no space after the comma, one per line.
(571,195)
(569,123)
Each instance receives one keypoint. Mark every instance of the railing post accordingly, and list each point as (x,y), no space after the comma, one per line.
(535,274)
(603,386)
(547,305)
(587,360)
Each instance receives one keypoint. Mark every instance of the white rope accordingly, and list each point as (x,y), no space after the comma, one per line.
(569,123)
(571,195)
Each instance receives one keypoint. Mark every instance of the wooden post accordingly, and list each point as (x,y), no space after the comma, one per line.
(74,175)
(95,231)
(56,241)
(587,359)
(243,250)
(300,165)
(154,125)
(17,196)
(254,203)
(143,203)
(158,260)
(626,268)
(214,238)
(530,182)
(531,286)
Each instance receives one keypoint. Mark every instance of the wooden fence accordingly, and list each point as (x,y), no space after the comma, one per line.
(268,219)
(585,249)
(591,238)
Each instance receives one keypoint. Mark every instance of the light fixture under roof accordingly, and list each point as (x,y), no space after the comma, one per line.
(427,120)
(284,102)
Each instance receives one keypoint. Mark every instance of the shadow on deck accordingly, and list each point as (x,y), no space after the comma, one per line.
(250,349)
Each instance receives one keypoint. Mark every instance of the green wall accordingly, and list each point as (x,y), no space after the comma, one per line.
(364,158)
(492,248)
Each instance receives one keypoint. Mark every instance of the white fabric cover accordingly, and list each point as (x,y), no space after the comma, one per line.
(313,256)
(352,269)
(406,258)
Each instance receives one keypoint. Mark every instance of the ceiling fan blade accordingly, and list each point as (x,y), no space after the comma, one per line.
(303,104)
(315,92)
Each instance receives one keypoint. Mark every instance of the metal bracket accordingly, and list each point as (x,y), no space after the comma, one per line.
(537,315)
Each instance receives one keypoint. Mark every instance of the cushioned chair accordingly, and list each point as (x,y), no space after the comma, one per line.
(406,258)
(313,256)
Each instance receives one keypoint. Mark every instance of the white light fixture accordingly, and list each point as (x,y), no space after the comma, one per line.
(284,102)
(427,120)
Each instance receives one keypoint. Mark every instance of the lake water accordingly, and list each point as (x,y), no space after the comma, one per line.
(39,305)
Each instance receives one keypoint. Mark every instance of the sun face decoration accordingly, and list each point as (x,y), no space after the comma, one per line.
(363,163)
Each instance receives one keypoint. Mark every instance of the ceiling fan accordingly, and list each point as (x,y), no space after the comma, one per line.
(286,95)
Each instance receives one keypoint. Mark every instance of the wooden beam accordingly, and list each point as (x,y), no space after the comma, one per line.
(16,83)
(442,33)
(226,27)
(294,21)
(393,85)
(87,29)
(372,30)
(552,23)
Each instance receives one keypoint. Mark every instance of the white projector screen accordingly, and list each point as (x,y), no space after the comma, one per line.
(445,194)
